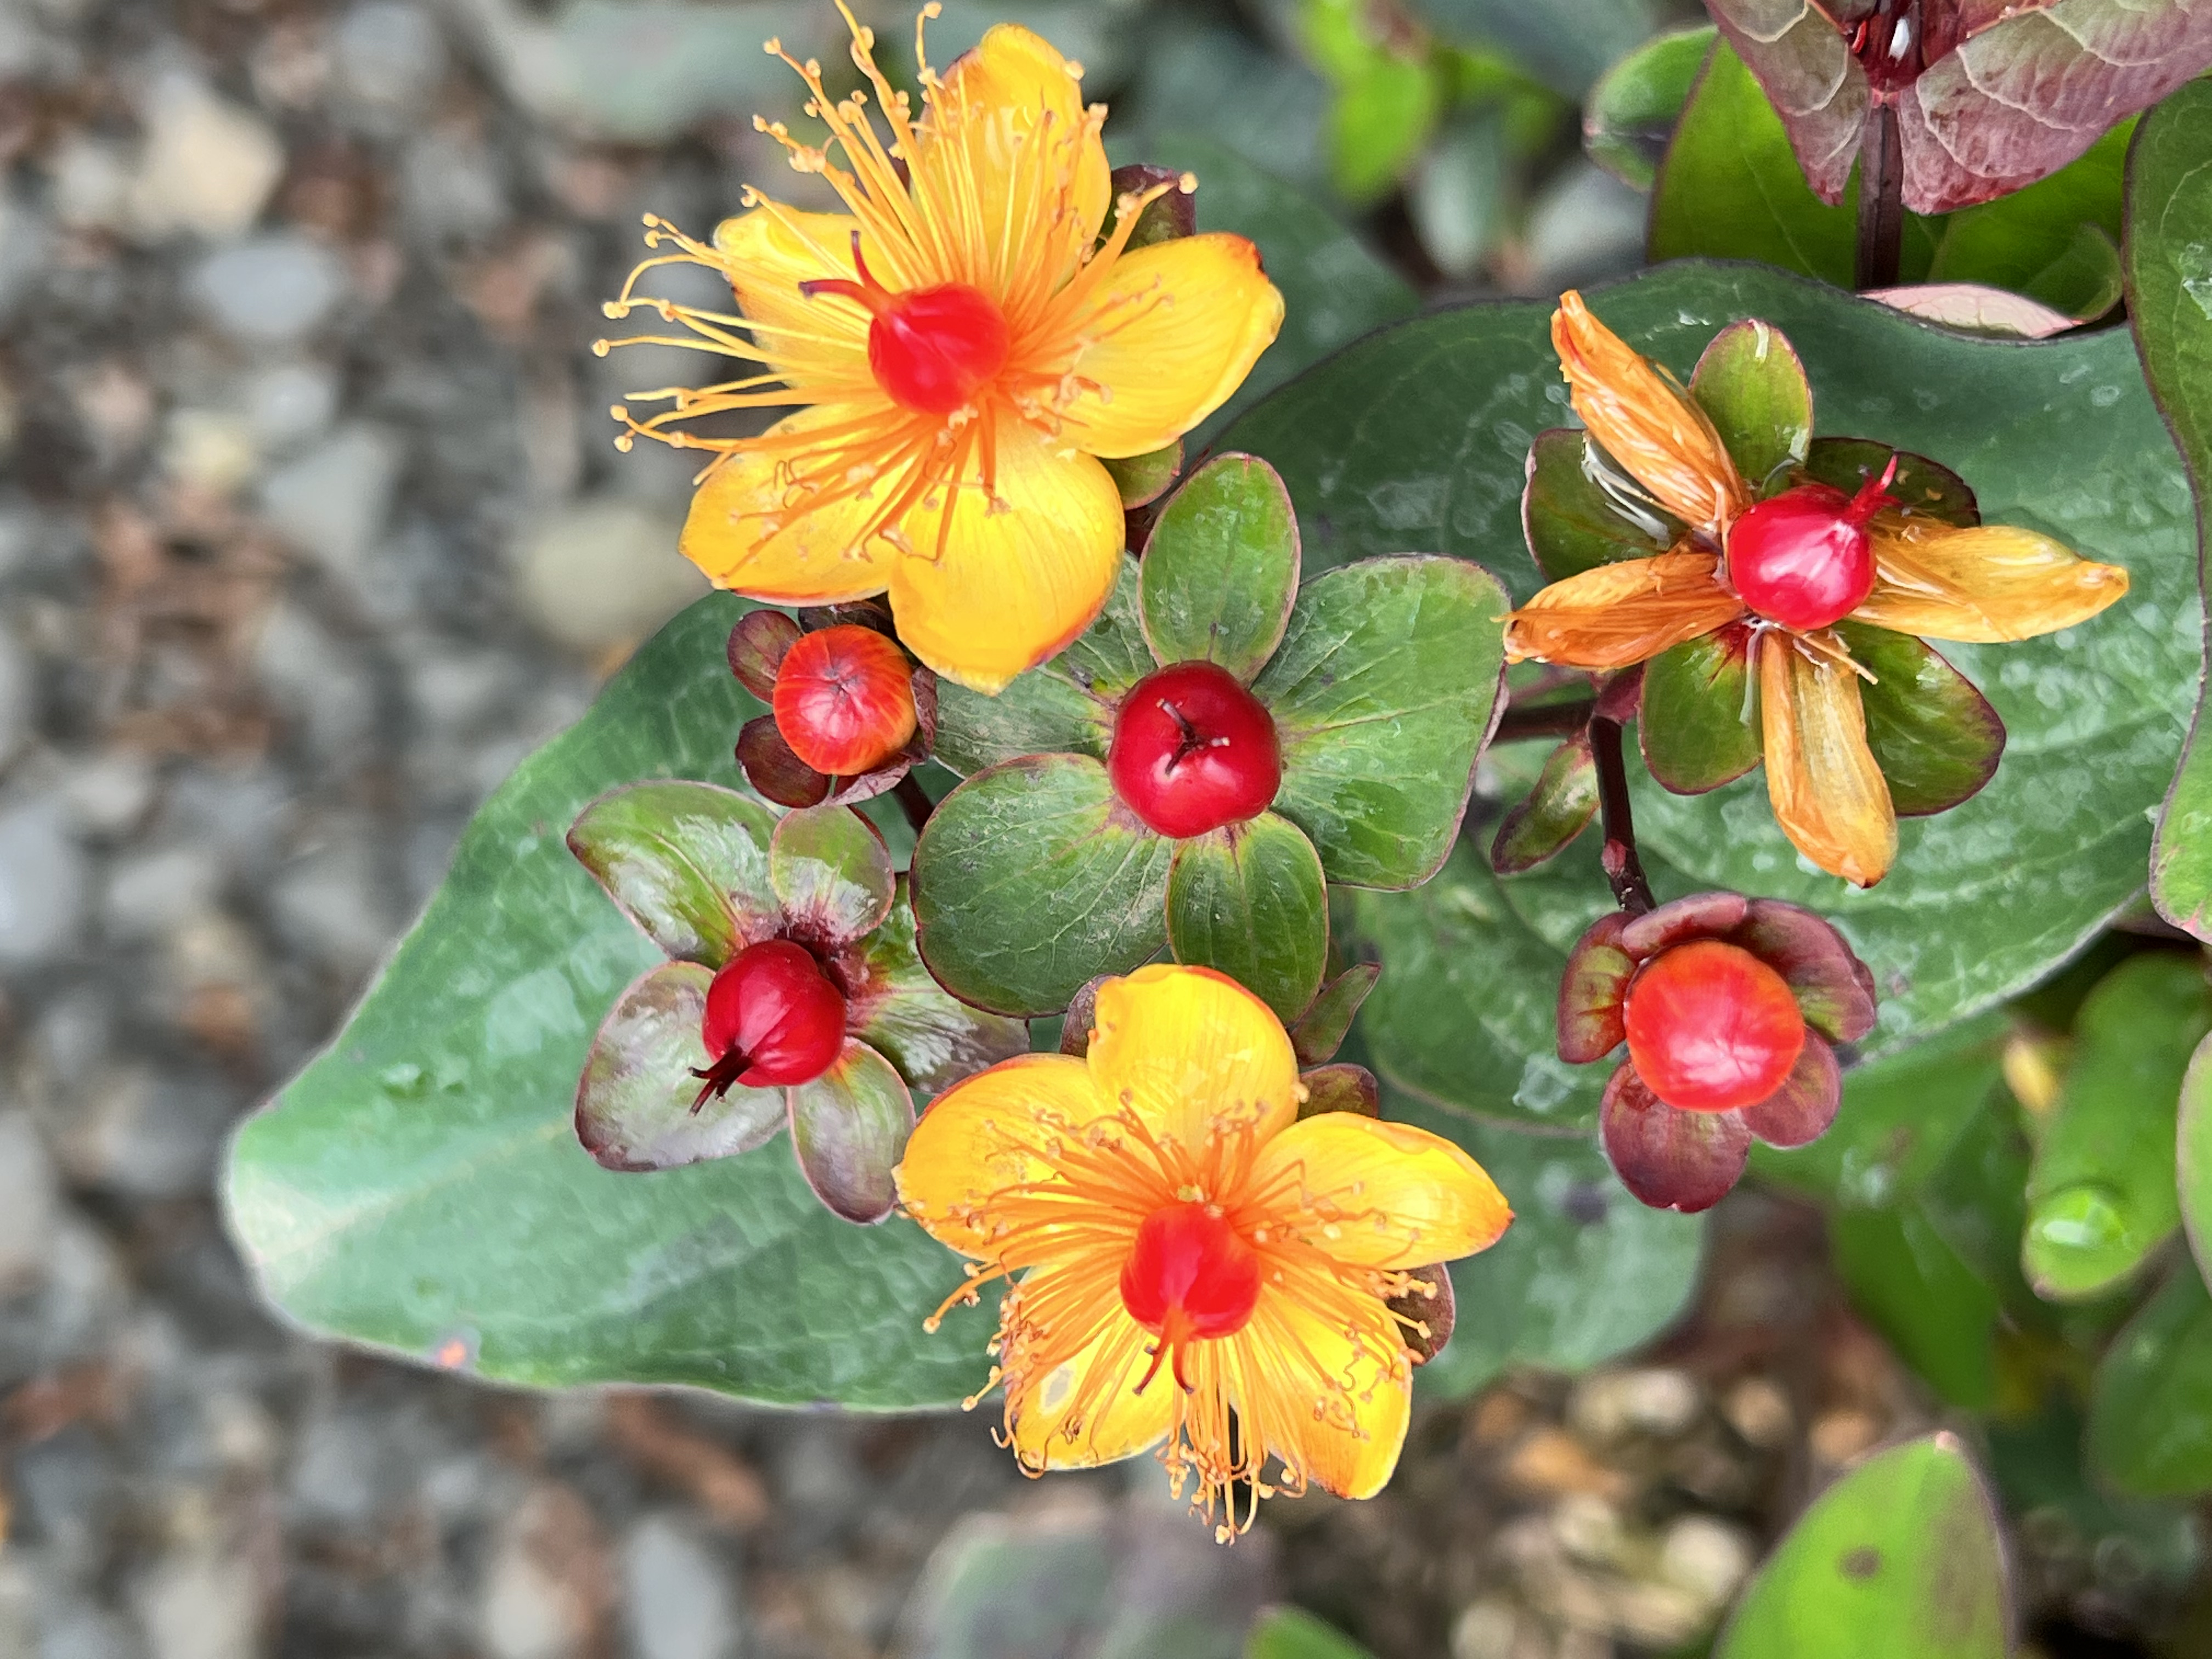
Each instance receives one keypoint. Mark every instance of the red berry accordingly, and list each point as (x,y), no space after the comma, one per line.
(1711,1027)
(772,1019)
(844,700)
(932,349)
(1190,1277)
(1803,558)
(1193,750)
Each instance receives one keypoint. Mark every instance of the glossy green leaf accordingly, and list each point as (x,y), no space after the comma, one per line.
(832,873)
(1585,1272)
(1566,43)
(638,1103)
(2150,1406)
(687,862)
(2085,281)
(1934,737)
(1752,388)
(1382,690)
(1065,706)
(419,1185)
(1558,809)
(1911,1285)
(1418,435)
(1294,1633)
(2102,1196)
(1031,877)
(1699,727)
(1631,110)
(895,1008)
(849,1127)
(1320,1030)
(1573,521)
(1250,900)
(2169,229)
(2193,1151)
(1221,568)
(1901,1557)
(1143,479)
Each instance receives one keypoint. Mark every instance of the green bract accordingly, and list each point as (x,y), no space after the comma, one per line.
(1382,677)
(706,871)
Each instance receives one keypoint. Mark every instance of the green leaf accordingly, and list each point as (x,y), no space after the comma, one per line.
(1418,436)
(1461,197)
(832,872)
(1631,110)
(1250,901)
(687,862)
(1751,386)
(1378,123)
(1143,479)
(1031,878)
(2085,281)
(1573,523)
(1065,706)
(2193,1151)
(2169,226)
(1221,568)
(419,1185)
(635,1105)
(1699,728)
(895,1008)
(2015,241)
(1919,1293)
(1585,1272)
(1934,737)
(1382,690)
(1294,1633)
(1320,1030)
(1558,809)
(848,1127)
(1565,44)
(2150,1406)
(2101,1197)
(1465,1014)
(1901,1557)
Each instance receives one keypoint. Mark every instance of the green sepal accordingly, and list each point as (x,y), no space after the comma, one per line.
(1221,569)
(2152,1395)
(832,874)
(1031,878)
(1699,726)
(1925,489)
(1340,1089)
(1934,737)
(1064,707)
(849,1127)
(1572,523)
(1752,388)
(1249,899)
(1320,1030)
(1377,764)
(638,1104)
(687,862)
(1558,809)
(1143,479)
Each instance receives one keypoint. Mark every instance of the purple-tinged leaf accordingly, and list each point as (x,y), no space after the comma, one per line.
(633,1102)
(1340,1089)
(1799,1111)
(756,650)
(1701,915)
(1834,989)
(1593,989)
(1428,1309)
(687,862)
(1167,217)
(1807,71)
(895,1007)
(1920,486)
(832,874)
(1558,809)
(848,1127)
(772,768)
(1321,1029)
(1975,308)
(1669,1158)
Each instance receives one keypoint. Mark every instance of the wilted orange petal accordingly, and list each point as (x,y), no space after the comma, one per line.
(1982,586)
(1616,615)
(1645,422)
(1829,796)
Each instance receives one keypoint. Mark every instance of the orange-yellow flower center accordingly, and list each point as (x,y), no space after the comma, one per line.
(1190,1277)
(931,349)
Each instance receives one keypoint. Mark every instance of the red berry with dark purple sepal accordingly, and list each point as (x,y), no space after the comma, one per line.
(773,1020)
(1712,1028)
(1192,751)
(1804,558)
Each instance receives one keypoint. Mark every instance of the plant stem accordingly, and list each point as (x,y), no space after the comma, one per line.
(1882,199)
(1622,866)
(914,800)
(1543,719)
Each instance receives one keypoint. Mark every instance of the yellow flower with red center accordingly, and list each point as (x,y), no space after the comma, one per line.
(1191,1265)
(1788,568)
(964,347)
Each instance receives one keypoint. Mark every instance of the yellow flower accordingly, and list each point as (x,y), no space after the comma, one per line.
(1990,583)
(963,347)
(1192,1254)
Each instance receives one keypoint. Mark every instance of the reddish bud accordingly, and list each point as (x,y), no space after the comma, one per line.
(772,1019)
(1803,558)
(844,700)
(932,349)
(1712,1028)
(1190,1277)
(1193,750)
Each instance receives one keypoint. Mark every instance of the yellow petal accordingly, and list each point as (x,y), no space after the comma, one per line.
(973,1143)
(1829,796)
(1009,583)
(1007,117)
(1645,422)
(1376,1195)
(1084,1410)
(1982,586)
(1187,1047)
(1337,1389)
(751,529)
(1616,615)
(1174,328)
